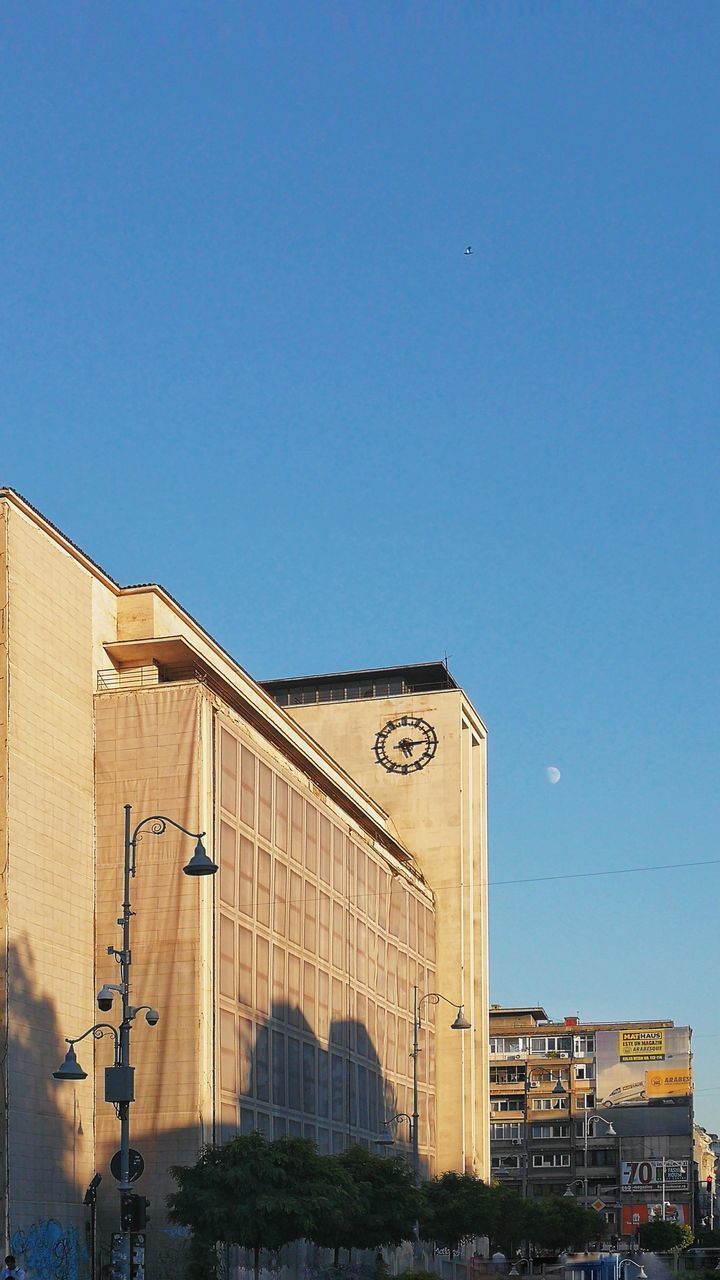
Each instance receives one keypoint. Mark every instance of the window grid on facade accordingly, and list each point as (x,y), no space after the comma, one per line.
(314,975)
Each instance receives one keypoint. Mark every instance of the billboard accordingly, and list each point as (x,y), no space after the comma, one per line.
(634,1214)
(642,1065)
(653,1174)
(637,1045)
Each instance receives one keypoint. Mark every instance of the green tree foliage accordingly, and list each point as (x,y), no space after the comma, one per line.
(663,1237)
(382,1209)
(454,1208)
(258,1194)
(507,1218)
(557,1223)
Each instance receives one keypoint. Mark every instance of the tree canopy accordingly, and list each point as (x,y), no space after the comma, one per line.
(663,1237)
(259,1194)
(383,1209)
(262,1195)
(454,1208)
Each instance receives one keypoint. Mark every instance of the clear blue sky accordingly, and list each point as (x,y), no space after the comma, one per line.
(244,354)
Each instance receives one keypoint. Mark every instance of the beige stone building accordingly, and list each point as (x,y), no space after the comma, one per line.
(285,983)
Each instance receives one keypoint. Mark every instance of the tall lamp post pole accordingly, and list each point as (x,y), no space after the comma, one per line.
(610,1133)
(460,1024)
(119,1079)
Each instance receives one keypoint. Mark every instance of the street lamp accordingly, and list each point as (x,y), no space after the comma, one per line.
(568,1193)
(609,1132)
(119,1079)
(460,1023)
(629,1262)
(558,1090)
(386,1138)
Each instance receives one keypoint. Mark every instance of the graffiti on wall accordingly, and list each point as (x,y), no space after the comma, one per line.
(48,1251)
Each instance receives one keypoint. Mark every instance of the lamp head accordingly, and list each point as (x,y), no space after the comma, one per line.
(559,1087)
(568,1194)
(200,864)
(461,1023)
(70,1068)
(385,1139)
(611,1131)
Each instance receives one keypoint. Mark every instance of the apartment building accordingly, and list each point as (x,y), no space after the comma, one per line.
(602,1111)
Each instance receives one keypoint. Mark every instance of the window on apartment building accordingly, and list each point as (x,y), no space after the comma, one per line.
(584,1046)
(506,1104)
(550,1131)
(509,1044)
(507,1075)
(505,1162)
(552,1160)
(586,1101)
(600,1158)
(544,1188)
(505,1132)
(585,1071)
(548,1075)
(551,1044)
(550,1104)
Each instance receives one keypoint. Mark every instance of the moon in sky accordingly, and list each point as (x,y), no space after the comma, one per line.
(553,774)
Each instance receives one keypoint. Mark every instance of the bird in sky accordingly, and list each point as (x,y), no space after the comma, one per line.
(468,251)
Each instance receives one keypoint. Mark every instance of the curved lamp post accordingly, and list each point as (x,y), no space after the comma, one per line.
(119,1079)
(629,1262)
(568,1193)
(459,1024)
(386,1138)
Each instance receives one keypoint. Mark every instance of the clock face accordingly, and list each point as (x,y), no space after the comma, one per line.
(405,745)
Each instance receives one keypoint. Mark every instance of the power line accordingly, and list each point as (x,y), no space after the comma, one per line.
(613,871)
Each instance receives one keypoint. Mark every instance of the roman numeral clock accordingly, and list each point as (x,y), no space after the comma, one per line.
(405,745)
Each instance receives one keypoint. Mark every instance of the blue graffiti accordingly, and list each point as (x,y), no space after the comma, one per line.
(48,1251)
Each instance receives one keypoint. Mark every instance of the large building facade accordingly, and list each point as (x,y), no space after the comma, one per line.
(600,1110)
(286,983)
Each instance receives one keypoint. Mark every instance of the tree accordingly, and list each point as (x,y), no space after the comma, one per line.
(507,1221)
(382,1210)
(558,1223)
(257,1194)
(454,1208)
(663,1237)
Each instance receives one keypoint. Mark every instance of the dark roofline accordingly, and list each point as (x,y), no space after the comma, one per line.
(364,673)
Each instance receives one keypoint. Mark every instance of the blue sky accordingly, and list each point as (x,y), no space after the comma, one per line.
(244,354)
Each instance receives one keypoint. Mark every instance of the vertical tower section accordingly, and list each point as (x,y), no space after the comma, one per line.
(50,595)
(413,740)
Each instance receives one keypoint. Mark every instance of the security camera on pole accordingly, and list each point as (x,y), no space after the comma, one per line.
(119,1079)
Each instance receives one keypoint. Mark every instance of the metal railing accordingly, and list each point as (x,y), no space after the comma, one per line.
(145,677)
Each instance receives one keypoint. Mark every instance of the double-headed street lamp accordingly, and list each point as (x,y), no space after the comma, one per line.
(588,1119)
(119,1079)
(459,1024)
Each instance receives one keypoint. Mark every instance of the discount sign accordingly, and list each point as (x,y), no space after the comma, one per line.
(648,1175)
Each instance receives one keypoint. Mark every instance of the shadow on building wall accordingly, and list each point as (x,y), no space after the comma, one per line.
(48,1137)
(334,1093)
(337,1095)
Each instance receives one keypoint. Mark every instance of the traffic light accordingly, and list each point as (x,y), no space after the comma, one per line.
(133,1211)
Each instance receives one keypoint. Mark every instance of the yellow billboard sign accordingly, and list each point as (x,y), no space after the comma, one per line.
(641,1044)
(663,1082)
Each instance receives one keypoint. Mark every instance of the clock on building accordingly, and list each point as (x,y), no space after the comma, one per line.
(405,745)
